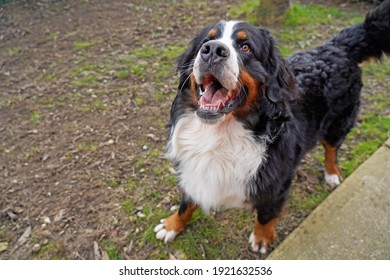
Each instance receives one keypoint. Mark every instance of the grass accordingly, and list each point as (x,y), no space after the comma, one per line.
(112,250)
(247,10)
(35,117)
(374,130)
(311,14)
(14,50)
(82,45)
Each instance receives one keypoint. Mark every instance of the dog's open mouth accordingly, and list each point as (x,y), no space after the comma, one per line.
(215,99)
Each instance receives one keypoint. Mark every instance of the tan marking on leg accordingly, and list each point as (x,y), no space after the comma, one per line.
(178,222)
(331,160)
(264,235)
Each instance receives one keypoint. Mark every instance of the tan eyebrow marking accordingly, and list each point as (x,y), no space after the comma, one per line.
(242,35)
(212,33)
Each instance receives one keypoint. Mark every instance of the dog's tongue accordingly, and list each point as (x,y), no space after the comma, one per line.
(212,97)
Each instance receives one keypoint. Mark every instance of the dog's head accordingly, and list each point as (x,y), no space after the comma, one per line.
(229,66)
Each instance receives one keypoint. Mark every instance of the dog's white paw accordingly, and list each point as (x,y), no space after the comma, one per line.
(255,246)
(332,180)
(163,234)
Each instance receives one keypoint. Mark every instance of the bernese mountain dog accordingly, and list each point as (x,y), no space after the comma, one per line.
(244,117)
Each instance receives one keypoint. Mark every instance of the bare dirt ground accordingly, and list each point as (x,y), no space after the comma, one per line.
(85,93)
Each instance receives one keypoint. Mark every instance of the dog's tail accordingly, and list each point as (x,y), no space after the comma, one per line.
(369,39)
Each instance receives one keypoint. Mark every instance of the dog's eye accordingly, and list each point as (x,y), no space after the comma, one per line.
(245,48)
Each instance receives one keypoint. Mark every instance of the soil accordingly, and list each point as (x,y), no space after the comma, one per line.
(68,150)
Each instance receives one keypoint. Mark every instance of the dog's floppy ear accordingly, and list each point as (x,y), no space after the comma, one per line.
(280,85)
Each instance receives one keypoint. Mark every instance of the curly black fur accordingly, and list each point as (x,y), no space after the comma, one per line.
(309,97)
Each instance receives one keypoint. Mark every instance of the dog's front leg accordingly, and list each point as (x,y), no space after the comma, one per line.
(264,232)
(170,227)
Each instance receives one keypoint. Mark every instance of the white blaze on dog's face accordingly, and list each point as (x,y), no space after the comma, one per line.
(229,70)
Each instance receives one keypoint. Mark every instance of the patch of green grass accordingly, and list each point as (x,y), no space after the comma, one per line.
(112,249)
(54,36)
(130,185)
(145,52)
(89,81)
(380,70)
(128,205)
(52,251)
(155,153)
(247,10)
(85,68)
(35,117)
(310,14)
(82,45)
(172,52)
(286,50)
(203,235)
(31,152)
(163,64)
(159,96)
(309,202)
(139,70)
(164,69)
(376,129)
(187,19)
(123,74)
(170,180)
(87,146)
(46,77)
(87,74)
(139,101)
(14,50)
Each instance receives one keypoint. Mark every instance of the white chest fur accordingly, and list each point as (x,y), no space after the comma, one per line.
(217,161)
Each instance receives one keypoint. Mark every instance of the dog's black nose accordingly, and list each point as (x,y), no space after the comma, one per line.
(214,52)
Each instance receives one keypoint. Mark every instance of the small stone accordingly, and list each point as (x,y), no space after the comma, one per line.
(12,215)
(46,233)
(18,210)
(59,216)
(46,220)
(36,248)
(174,208)
(145,147)
(33,131)
(23,238)
(3,246)
(172,171)
(45,241)
(141,215)
(152,136)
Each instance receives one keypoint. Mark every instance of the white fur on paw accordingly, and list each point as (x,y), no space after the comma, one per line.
(332,179)
(163,234)
(255,246)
